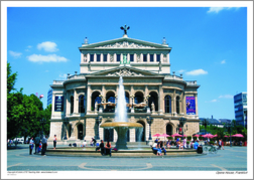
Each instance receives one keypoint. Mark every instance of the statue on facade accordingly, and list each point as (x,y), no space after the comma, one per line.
(125,28)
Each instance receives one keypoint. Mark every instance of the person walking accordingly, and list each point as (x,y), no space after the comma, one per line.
(54,141)
(37,143)
(31,145)
(44,145)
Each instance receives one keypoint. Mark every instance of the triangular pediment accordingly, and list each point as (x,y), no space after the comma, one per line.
(125,71)
(125,43)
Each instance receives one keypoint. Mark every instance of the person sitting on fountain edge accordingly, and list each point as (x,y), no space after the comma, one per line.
(103,150)
(108,148)
(160,145)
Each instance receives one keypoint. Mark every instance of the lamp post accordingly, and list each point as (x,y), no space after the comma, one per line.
(98,121)
(204,123)
(182,121)
(229,126)
(149,120)
(42,121)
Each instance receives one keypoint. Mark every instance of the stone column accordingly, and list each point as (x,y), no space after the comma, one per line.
(53,103)
(184,104)
(75,102)
(132,92)
(67,106)
(103,93)
(174,103)
(160,104)
(88,101)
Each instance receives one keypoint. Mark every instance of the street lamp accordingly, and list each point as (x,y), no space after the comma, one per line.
(229,126)
(182,121)
(98,121)
(42,121)
(149,120)
(204,123)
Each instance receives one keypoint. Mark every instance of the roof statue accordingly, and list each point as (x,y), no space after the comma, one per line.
(125,28)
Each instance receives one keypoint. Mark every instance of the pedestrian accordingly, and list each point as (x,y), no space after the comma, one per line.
(184,142)
(54,141)
(108,148)
(195,146)
(168,143)
(31,145)
(220,143)
(44,145)
(37,143)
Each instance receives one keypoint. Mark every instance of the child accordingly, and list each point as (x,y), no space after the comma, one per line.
(39,149)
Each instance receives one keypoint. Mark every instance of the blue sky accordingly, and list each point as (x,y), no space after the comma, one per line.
(209,45)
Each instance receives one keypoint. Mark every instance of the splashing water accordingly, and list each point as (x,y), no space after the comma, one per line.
(121,114)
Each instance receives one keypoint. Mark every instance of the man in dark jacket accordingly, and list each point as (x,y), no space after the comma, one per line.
(37,143)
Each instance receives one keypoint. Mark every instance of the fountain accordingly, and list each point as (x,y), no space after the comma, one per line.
(121,124)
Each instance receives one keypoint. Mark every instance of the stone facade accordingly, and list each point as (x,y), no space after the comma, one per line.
(83,101)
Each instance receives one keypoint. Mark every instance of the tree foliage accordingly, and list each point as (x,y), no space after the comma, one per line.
(24,113)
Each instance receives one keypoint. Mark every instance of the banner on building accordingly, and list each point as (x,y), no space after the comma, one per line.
(59,103)
(190,105)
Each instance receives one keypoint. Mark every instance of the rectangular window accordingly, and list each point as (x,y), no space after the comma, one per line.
(98,57)
(91,57)
(151,57)
(131,58)
(118,57)
(59,100)
(158,57)
(144,57)
(105,57)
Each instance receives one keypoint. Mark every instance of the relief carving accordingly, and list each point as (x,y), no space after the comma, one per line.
(125,72)
(125,44)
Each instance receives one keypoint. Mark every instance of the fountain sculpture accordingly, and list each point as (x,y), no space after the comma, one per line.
(121,124)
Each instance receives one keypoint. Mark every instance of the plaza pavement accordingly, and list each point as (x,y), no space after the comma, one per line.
(230,159)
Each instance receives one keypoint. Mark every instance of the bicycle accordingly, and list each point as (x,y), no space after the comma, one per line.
(211,150)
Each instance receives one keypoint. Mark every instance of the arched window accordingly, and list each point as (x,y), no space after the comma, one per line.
(140,132)
(127,98)
(177,105)
(95,98)
(167,104)
(153,99)
(139,97)
(110,97)
(169,129)
(82,104)
(72,104)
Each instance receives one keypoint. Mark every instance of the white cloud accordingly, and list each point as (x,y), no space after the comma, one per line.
(181,71)
(214,100)
(223,61)
(218,9)
(49,58)
(227,96)
(48,46)
(63,76)
(15,54)
(196,72)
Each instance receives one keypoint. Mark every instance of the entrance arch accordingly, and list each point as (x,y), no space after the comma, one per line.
(137,131)
(80,131)
(169,129)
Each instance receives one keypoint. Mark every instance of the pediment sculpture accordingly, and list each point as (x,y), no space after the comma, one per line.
(125,44)
(125,72)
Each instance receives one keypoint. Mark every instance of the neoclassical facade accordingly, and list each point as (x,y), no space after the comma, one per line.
(83,101)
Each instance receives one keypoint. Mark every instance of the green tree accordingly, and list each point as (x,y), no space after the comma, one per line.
(11,79)
(47,116)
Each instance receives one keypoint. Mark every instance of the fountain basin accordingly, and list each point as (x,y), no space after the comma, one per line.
(121,129)
(121,124)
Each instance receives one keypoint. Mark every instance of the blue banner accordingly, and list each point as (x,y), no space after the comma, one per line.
(190,105)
